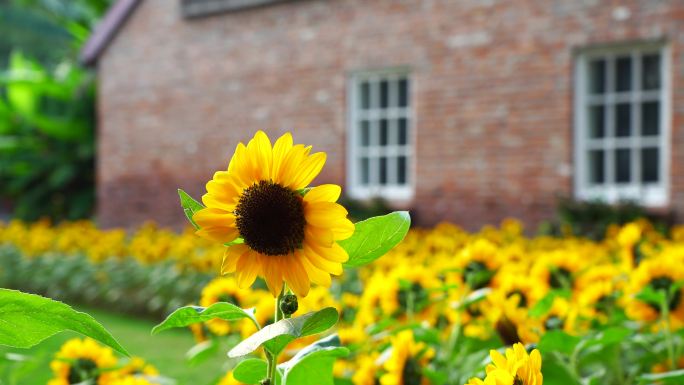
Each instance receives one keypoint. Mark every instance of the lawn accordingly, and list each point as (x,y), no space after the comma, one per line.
(166,351)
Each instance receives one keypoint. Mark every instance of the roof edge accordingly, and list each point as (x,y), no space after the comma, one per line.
(106,30)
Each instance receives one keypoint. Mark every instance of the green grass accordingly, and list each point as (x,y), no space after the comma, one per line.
(166,351)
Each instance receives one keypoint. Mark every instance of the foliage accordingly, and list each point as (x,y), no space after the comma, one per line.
(592,218)
(47,140)
(595,309)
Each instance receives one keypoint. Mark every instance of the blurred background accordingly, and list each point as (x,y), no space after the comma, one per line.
(566,115)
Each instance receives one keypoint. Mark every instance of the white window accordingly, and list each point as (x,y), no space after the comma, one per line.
(380,140)
(622,125)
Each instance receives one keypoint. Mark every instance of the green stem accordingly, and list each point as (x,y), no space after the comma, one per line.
(665,318)
(273,359)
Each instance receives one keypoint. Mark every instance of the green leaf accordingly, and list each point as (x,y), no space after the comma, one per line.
(609,336)
(374,237)
(313,365)
(190,206)
(559,341)
(201,351)
(189,315)
(28,319)
(651,296)
(277,336)
(250,371)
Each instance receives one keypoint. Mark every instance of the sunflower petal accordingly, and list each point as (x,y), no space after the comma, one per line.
(281,148)
(319,235)
(323,193)
(212,217)
(273,274)
(318,276)
(308,170)
(334,253)
(296,277)
(218,234)
(231,256)
(248,266)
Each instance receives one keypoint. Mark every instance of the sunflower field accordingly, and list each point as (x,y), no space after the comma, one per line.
(428,312)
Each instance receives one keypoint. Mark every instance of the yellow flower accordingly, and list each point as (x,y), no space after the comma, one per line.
(405,365)
(516,368)
(82,360)
(660,274)
(287,238)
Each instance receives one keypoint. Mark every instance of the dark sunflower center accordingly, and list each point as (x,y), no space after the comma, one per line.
(518,381)
(82,370)
(560,278)
(413,295)
(477,275)
(412,374)
(664,284)
(270,218)
(522,302)
(225,297)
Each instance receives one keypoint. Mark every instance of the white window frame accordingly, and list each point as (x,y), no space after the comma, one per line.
(649,195)
(390,191)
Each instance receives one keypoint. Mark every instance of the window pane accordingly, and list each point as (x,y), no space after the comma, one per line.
(364,171)
(401,170)
(650,77)
(650,118)
(623,170)
(623,74)
(649,165)
(597,76)
(365,96)
(596,121)
(365,133)
(384,94)
(384,133)
(383,170)
(403,92)
(596,174)
(623,119)
(403,131)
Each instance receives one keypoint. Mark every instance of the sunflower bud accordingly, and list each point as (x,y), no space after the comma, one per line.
(288,304)
(266,382)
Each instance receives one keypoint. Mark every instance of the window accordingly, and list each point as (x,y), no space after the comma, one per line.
(380,141)
(622,125)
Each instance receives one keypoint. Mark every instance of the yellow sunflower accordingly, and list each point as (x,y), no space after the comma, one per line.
(290,235)
(515,368)
(661,274)
(405,365)
(82,360)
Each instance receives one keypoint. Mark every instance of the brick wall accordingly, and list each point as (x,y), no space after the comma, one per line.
(492,92)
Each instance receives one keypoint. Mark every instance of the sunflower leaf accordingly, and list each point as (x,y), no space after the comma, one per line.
(313,365)
(374,237)
(250,371)
(277,336)
(190,206)
(189,315)
(28,319)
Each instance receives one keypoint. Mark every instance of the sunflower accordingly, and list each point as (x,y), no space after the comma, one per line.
(405,365)
(81,360)
(516,368)
(137,366)
(287,238)
(223,289)
(661,274)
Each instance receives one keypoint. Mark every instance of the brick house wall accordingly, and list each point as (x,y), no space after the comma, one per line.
(491,85)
